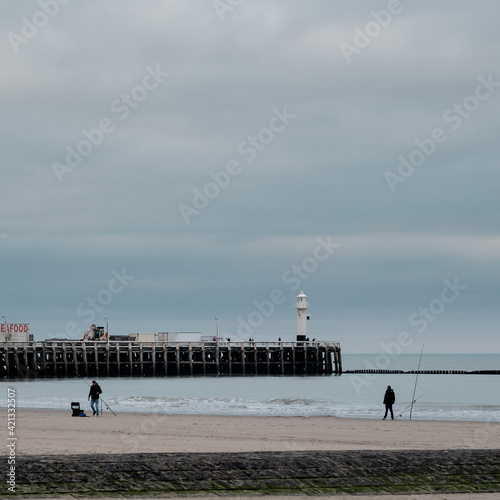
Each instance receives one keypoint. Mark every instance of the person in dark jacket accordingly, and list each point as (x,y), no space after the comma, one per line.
(94,392)
(389,400)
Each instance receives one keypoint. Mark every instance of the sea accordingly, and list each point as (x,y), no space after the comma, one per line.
(463,397)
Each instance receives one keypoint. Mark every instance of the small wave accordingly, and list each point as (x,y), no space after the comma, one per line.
(455,398)
(291,401)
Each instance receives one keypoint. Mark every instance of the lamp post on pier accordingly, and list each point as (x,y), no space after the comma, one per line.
(217,337)
(6,333)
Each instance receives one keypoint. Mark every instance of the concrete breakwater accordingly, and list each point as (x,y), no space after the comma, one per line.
(258,473)
(427,372)
(63,359)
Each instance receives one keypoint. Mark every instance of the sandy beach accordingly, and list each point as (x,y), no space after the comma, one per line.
(54,432)
(45,432)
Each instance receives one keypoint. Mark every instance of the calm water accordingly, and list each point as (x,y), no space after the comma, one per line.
(440,397)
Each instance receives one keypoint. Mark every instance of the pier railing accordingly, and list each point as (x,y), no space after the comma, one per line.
(70,358)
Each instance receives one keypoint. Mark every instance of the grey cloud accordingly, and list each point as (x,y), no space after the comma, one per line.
(322,175)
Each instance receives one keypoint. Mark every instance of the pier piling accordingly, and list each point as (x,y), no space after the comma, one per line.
(65,359)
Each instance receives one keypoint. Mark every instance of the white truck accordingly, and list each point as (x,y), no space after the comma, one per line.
(179,337)
(142,337)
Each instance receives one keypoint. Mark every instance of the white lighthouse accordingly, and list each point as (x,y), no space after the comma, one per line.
(302,316)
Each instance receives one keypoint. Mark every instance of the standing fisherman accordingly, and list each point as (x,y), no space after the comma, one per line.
(94,392)
(389,400)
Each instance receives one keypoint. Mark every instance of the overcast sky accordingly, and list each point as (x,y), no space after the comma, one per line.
(165,162)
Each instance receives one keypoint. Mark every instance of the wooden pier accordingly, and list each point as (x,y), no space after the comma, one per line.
(65,359)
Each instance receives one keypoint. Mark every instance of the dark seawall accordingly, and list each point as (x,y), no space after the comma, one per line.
(265,473)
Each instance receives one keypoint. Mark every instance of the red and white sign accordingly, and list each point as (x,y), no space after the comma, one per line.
(15,327)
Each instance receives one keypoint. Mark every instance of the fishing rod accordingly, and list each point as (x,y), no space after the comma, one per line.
(402,411)
(106,404)
(416,380)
